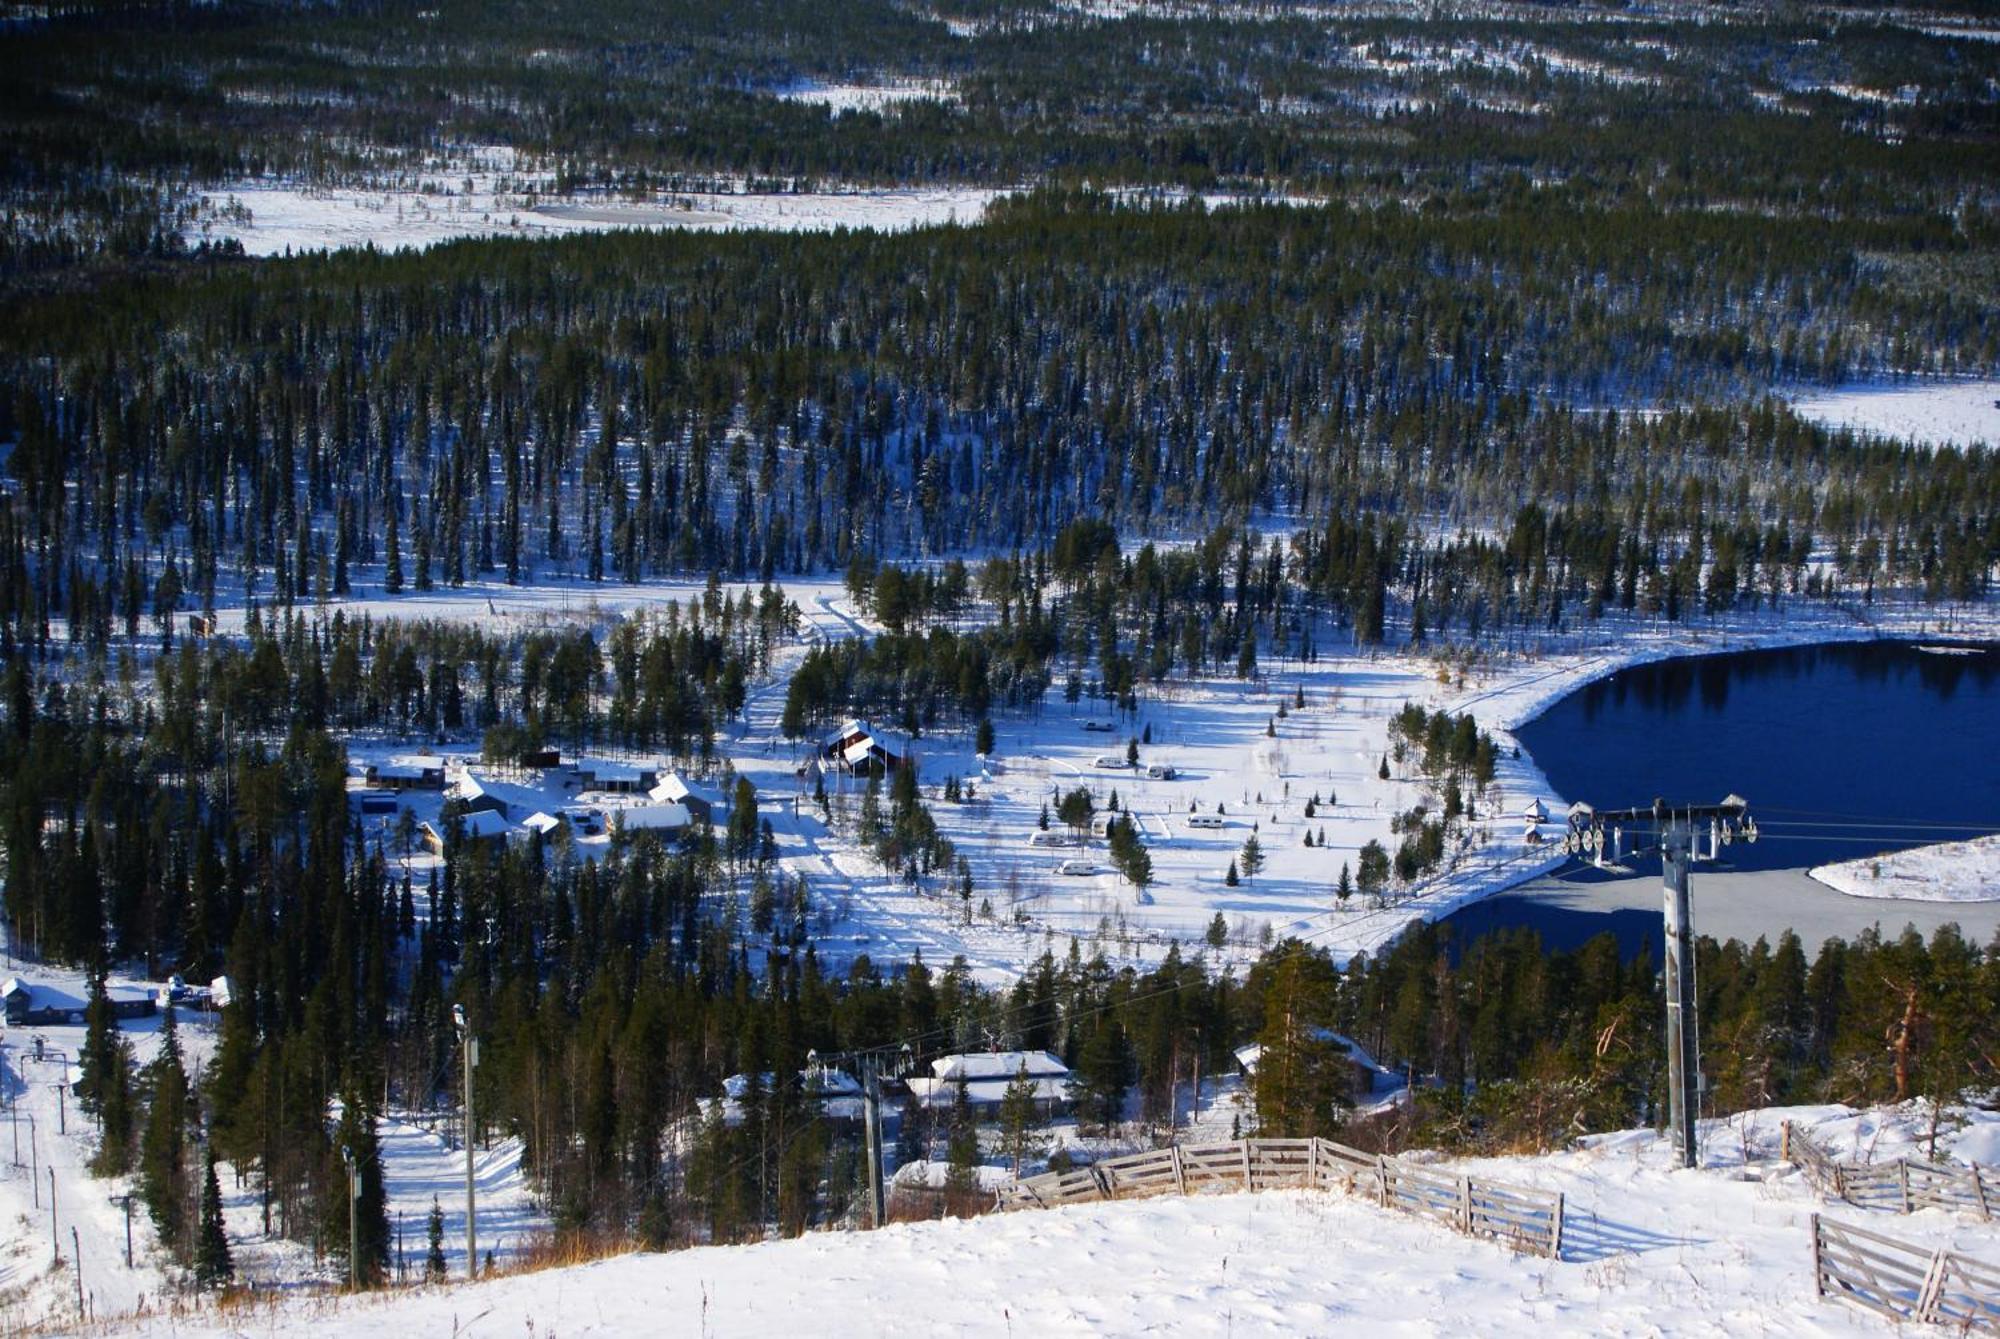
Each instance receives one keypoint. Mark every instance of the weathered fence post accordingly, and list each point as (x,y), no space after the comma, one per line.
(1556,1233)
(1933,1289)
(1979,1189)
(1180,1174)
(1819,1275)
(1249,1171)
(1312,1163)
(1903,1181)
(1785,1142)
(1465,1205)
(1382,1178)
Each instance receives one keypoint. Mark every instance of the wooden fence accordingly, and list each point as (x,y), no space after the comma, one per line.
(1902,1281)
(1528,1220)
(1902,1186)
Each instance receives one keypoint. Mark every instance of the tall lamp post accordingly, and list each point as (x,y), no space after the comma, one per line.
(470,1045)
(353,1219)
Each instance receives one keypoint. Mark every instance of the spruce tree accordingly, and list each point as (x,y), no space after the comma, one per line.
(162,1149)
(1252,859)
(1017,1117)
(356,1134)
(212,1265)
(434,1234)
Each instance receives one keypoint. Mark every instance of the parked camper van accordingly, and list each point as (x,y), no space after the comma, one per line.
(1160,771)
(1079,869)
(1207,821)
(1099,727)
(1111,760)
(1050,838)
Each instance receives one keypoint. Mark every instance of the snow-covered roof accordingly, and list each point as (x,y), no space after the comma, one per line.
(411,765)
(651,817)
(997,1065)
(541,823)
(603,770)
(985,1092)
(675,787)
(486,823)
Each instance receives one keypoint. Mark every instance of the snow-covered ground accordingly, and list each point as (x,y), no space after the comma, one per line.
(271,217)
(1936,413)
(839,98)
(1967,871)
(1649,1249)
(1214,733)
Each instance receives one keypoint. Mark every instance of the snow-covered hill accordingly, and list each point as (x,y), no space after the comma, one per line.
(1650,1250)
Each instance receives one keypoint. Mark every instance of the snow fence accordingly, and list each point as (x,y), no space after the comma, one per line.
(1528,1220)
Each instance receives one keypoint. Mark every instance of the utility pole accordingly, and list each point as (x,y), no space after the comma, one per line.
(1675,829)
(55,1237)
(62,1121)
(353,1221)
(126,1200)
(470,1045)
(76,1248)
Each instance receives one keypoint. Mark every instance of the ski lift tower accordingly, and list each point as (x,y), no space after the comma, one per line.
(1676,830)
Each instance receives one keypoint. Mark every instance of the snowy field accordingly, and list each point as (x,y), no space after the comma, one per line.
(1947,872)
(1649,1249)
(1935,413)
(839,98)
(274,218)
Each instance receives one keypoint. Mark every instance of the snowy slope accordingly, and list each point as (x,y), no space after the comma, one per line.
(1651,1249)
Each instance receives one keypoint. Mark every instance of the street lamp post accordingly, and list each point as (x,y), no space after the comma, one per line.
(470,1045)
(353,1219)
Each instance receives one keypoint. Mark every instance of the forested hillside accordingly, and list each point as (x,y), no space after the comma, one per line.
(1296,335)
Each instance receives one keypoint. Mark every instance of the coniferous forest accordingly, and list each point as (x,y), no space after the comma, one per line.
(1298,336)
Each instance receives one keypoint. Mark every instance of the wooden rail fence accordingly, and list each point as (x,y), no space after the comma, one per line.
(1902,1186)
(1902,1281)
(1528,1220)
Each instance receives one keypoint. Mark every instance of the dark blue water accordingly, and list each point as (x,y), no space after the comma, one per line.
(1842,751)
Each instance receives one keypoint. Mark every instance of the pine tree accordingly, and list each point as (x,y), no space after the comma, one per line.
(434,1233)
(356,1134)
(162,1173)
(961,1180)
(1218,932)
(1252,859)
(1229,877)
(212,1265)
(1345,888)
(392,566)
(1017,1118)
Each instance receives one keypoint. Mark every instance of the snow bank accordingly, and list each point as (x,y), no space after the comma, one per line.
(1967,871)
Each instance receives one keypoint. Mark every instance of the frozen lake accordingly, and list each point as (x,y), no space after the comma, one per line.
(1842,751)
